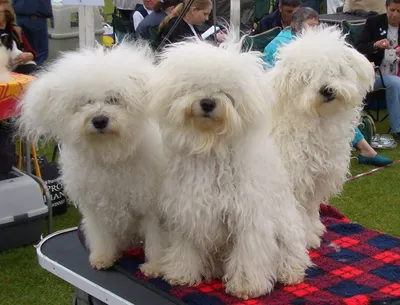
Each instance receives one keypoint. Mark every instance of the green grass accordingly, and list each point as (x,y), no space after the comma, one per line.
(24,282)
(372,201)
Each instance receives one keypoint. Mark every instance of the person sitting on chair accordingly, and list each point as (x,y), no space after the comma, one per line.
(162,9)
(196,15)
(126,8)
(281,17)
(303,17)
(141,12)
(379,42)
(314,4)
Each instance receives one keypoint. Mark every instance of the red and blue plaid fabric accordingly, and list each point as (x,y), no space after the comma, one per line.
(354,266)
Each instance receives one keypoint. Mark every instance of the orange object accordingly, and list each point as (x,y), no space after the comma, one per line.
(35,161)
(10,93)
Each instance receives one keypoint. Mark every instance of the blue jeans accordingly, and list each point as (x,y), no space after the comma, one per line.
(392,83)
(36,33)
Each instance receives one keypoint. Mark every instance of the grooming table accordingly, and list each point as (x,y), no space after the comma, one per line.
(354,266)
(338,18)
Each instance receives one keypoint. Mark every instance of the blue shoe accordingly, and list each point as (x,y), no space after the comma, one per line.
(378,160)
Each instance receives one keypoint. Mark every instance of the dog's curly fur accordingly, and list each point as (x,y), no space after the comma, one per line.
(226,197)
(111,173)
(320,82)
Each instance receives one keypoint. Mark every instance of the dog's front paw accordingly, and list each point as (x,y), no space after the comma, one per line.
(313,241)
(151,270)
(290,275)
(245,290)
(102,261)
(292,268)
(319,228)
(181,277)
(182,280)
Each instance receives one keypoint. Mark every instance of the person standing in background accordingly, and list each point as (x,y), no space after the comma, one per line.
(32,17)
(126,7)
(332,5)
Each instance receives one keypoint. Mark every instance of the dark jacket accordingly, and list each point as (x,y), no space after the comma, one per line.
(269,22)
(152,20)
(39,8)
(375,29)
(180,32)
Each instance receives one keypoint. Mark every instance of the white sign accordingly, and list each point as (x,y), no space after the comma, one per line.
(84,2)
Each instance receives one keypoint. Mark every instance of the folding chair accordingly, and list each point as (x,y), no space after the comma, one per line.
(122,28)
(353,31)
(153,33)
(260,41)
(261,7)
(375,98)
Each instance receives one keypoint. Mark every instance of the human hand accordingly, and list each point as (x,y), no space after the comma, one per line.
(398,51)
(382,44)
(221,36)
(23,58)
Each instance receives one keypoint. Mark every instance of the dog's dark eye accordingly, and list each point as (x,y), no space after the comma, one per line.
(112,100)
(90,102)
(328,93)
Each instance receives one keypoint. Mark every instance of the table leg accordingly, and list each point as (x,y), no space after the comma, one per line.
(28,169)
(48,201)
(28,164)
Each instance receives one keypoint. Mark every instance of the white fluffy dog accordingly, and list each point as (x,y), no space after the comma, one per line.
(94,103)
(226,197)
(320,82)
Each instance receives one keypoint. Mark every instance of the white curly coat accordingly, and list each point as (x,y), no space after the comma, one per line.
(226,197)
(112,175)
(312,132)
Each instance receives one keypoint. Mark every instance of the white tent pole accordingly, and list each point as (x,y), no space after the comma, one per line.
(86,26)
(215,20)
(235,17)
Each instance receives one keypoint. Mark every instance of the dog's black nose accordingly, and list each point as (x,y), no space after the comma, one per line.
(100,122)
(207,105)
(328,93)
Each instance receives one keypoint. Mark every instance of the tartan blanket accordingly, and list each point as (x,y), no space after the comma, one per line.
(354,266)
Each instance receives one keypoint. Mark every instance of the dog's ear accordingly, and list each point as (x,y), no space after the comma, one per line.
(6,40)
(363,68)
(36,106)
